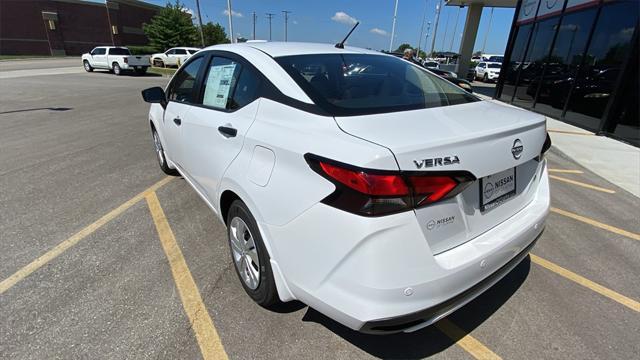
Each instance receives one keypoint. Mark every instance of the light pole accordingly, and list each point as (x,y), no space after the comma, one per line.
(255,18)
(286,19)
(200,22)
(393,27)
(270,16)
(435,29)
(424,17)
(230,22)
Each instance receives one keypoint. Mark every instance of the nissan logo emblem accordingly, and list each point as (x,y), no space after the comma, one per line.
(516,149)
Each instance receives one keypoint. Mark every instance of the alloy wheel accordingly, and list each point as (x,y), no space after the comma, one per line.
(158,146)
(244,252)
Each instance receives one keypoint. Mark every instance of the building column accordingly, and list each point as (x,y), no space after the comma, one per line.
(469,38)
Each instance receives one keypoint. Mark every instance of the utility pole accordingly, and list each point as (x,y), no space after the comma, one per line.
(270,16)
(200,22)
(435,30)
(230,22)
(424,17)
(393,28)
(255,17)
(426,38)
(286,20)
(484,43)
(455,27)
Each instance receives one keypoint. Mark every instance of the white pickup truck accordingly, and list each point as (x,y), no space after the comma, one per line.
(115,58)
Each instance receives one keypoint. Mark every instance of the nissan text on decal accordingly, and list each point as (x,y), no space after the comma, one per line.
(377,197)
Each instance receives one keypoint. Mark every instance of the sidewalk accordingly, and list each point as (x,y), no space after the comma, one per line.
(613,160)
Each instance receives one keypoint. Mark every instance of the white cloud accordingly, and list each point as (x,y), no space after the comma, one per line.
(188,11)
(344,18)
(233,13)
(378,32)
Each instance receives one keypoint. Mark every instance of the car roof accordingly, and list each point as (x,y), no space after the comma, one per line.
(277,49)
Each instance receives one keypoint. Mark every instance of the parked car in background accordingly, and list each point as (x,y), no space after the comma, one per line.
(374,196)
(173,57)
(447,75)
(115,58)
(487,71)
(431,64)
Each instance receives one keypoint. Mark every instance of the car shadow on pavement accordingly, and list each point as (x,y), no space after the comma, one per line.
(430,340)
(128,74)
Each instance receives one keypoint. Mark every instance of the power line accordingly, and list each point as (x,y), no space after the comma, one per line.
(424,18)
(286,20)
(484,43)
(270,16)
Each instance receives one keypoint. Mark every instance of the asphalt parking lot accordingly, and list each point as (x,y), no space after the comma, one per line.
(103,256)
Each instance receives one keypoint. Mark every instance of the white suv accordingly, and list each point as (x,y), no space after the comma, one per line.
(487,71)
(379,197)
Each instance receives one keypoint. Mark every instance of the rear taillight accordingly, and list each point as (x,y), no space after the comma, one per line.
(380,192)
(545,147)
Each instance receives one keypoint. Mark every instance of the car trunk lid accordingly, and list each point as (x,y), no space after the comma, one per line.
(482,138)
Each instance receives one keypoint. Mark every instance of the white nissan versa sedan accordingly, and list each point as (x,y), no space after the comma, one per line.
(385,199)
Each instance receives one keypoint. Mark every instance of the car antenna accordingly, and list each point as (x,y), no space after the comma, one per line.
(340,45)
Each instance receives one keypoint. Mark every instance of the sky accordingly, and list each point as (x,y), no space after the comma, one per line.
(328,21)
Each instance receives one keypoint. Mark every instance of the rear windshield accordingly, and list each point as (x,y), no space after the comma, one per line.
(360,84)
(495,66)
(119,51)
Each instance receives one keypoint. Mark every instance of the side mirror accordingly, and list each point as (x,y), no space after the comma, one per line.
(154,95)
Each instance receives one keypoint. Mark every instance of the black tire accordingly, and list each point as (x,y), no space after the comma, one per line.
(141,71)
(116,69)
(87,66)
(266,293)
(160,155)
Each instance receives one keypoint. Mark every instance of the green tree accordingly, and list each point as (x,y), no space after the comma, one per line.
(171,27)
(214,34)
(403,47)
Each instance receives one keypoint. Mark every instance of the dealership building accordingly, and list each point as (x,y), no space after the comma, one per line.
(572,60)
(71,27)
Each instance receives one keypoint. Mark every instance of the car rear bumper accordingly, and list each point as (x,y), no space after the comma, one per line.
(380,275)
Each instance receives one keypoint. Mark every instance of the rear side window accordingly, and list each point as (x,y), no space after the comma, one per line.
(246,89)
(360,84)
(119,51)
(183,86)
(180,52)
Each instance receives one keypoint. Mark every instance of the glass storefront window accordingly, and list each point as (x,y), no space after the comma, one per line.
(534,62)
(625,120)
(598,76)
(562,65)
(511,72)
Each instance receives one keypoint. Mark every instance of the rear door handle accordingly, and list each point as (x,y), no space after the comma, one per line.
(227,131)
(178,121)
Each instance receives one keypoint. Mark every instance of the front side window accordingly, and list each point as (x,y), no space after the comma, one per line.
(381,84)
(119,51)
(181,52)
(98,51)
(170,52)
(182,88)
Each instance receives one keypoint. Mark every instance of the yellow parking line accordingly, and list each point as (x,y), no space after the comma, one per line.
(578,183)
(597,224)
(566,171)
(7,283)
(201,323)
(628,302)
(466,341)
(570,132)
